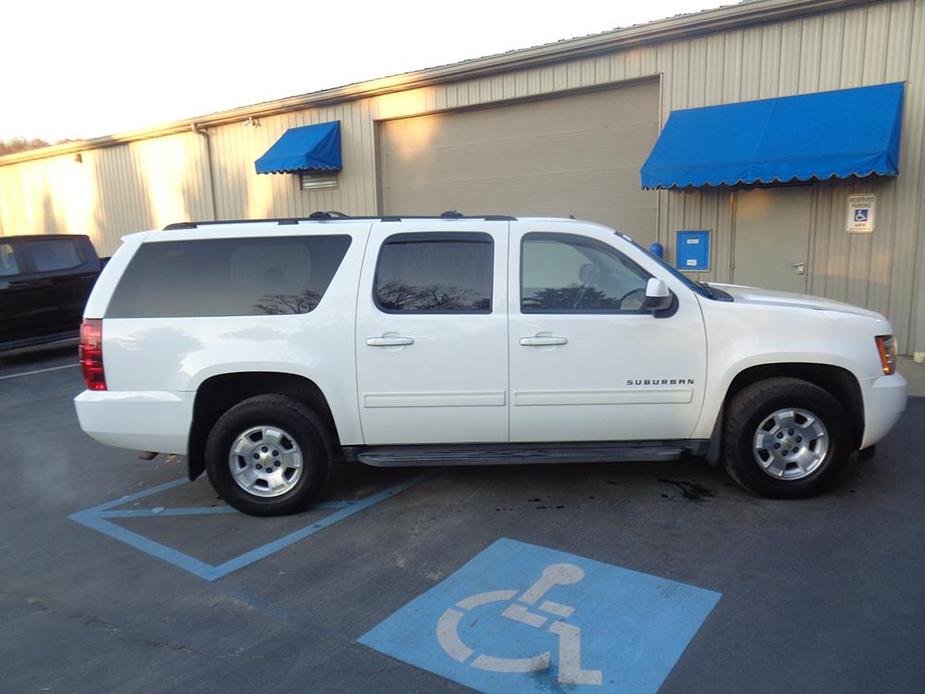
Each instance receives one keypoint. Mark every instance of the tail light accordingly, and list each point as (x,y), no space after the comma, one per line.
(886,346)
(91,354)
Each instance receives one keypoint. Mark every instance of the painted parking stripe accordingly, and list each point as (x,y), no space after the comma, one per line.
(100,518)
(38,371)
(524,618)
(200,510)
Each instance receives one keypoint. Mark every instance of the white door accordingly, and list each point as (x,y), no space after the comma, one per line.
(772,237)
(431,335)
(587,363)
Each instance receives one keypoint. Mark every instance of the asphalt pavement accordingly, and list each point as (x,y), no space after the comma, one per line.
(117,576)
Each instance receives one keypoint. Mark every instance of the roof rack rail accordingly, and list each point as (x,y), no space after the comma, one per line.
(328,215)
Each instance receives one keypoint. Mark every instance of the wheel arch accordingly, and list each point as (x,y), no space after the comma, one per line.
(217,394)
(837,380)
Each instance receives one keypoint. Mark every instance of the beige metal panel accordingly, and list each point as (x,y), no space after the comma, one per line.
(790,58)
(577,154)
(697,73)
(853,49)
(810,53)
(769,73)
(713,79)
(750,85)
(880,273)
(725,230)
(732,66)
(911,187)
(876,37)
(833,28)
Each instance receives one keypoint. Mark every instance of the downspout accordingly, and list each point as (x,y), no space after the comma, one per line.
(205,133)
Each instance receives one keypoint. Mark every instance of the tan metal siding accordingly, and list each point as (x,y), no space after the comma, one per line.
(110,192)
(858,45)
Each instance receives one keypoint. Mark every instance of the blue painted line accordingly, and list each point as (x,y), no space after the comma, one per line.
(140,542)
(199,510)
(283,542)
(97,518)
(176,511)
(134,497)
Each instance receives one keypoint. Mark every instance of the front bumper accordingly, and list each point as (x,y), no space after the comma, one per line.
(884,402)
(139,420)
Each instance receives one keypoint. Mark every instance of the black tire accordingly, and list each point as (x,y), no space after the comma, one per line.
(300,423)
(752,406)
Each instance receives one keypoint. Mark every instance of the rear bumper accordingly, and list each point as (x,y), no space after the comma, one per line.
(884,402)
(139,420)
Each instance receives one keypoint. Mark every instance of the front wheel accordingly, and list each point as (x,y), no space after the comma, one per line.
(268,456)
(784,438)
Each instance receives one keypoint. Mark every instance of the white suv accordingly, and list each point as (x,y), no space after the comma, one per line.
(264,351)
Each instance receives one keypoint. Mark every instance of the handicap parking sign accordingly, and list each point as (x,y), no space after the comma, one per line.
(860,215)
(524,618)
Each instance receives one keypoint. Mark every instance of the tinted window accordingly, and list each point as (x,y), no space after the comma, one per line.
(228,277)
(565,273)
(8,264)
(435,273)
(57,254)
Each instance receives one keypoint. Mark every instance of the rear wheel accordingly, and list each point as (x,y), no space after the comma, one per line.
(784,438)
(268,456)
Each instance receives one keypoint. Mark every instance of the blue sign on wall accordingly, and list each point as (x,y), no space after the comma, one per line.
(693,251)
(524,618)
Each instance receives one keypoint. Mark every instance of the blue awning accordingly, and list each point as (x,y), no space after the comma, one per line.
(850,132)
(309,148)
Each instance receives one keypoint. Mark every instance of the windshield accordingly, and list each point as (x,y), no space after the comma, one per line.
(701,288)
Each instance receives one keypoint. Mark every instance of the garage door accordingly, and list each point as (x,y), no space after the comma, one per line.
(577,154)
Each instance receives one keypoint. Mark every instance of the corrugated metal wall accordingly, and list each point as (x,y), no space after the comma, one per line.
(110,192)
(144,184)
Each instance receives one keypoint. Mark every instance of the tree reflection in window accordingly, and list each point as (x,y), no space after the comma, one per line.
(397,296)
(283,304)
(569,298)
(435,272)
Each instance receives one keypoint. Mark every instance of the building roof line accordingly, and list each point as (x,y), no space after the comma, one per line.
(681,26)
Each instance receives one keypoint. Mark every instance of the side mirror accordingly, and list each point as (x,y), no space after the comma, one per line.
(658,298)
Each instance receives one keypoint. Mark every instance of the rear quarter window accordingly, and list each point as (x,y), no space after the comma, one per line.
(54,255)
(228,277)
(8,263)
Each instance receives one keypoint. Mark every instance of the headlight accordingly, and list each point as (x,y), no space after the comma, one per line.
(886,345)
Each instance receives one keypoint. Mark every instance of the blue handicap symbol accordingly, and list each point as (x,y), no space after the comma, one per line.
(524,618)
(860,214)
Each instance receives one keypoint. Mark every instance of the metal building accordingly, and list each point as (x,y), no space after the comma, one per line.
(558,129)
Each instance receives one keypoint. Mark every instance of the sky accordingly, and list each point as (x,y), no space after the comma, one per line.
(84,69)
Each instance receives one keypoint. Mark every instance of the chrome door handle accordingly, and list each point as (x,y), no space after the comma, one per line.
(799,267)
(542,341)
(390,341)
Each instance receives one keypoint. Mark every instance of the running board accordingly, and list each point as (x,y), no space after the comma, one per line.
(520,454)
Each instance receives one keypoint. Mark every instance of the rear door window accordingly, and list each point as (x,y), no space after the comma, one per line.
(9,266)
(435,273)
(228,277)
(53,255)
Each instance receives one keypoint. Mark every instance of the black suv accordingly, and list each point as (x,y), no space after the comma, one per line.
(44,283)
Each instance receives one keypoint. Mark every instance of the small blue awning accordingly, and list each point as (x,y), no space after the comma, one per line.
(309,148)
(850,132)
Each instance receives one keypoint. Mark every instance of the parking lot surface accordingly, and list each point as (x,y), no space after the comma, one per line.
(115,576)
